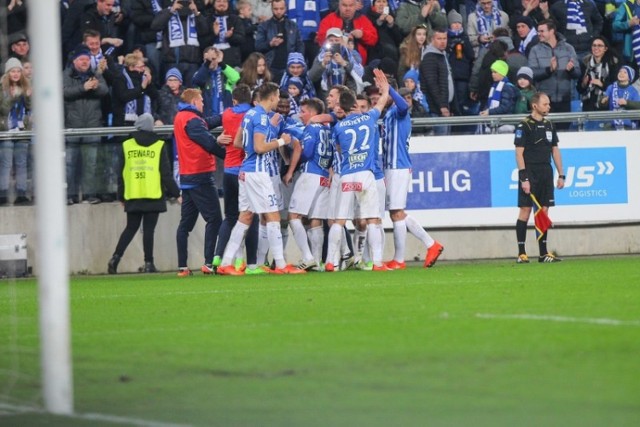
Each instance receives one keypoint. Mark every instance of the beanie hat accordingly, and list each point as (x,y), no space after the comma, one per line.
(297,82)
(296,58)
(500,67)
(413,75)
(525,20)
(173,72)
(11,64)
(630,72)
(144,122)
(453,16)
(80,50)
(525,73)
(17,37)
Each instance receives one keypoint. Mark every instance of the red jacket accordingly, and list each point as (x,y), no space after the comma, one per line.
(192,157)
(369,32)
(231,120)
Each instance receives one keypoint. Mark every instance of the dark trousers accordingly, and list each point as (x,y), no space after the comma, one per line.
(230,188)
(202,200)
(149,221)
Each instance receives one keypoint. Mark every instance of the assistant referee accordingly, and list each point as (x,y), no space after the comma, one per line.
(536,142)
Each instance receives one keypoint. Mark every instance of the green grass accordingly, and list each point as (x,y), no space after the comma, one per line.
(404,348)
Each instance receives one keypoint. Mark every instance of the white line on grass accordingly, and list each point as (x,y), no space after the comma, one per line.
(561,319)
(6,409)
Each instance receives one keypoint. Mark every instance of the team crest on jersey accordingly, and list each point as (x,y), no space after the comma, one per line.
(351,186)
(519,133)
(357,160)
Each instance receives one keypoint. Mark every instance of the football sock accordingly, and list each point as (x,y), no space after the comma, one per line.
(300,236)
(263,244)
(284,232)
(521,235)
(359,238)
(235,241)
(275,243)
(399,239)
(375,243)
(316,236)
(542,244)
(416,229)
(333,249)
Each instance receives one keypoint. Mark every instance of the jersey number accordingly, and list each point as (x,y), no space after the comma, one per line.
(365,140)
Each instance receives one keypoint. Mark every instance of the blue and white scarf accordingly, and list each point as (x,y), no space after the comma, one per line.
(157,9)
(308,90)
(222,43)
(575,16)
(336,75)
(15,119)
(131,109)
(95,60)
(217,91)
(484,23)
(176,31)
(495,94)
(524,43)
(619,93)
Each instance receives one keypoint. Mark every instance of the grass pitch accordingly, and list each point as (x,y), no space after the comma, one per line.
(462,344)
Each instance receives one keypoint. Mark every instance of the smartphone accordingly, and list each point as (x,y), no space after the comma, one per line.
(385,10)
(280,35)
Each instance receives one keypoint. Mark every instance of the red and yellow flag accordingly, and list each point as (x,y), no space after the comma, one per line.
(540,218)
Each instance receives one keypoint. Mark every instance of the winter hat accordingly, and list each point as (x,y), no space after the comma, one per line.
(297,82)
(17,37)
(413,75)
(296,58)
(525,20)
(80,50)
(11,64)
(525,73)
(334,31)
(144,122)
(173,72)
(507,41)
(629,70)
(453,16)
(500,67)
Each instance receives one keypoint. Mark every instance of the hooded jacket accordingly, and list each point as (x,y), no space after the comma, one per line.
(435,80)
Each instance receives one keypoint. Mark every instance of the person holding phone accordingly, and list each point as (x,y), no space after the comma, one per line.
(389,34)
(276,38)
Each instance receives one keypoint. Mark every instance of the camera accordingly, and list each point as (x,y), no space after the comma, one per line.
(333,48)
(385,10)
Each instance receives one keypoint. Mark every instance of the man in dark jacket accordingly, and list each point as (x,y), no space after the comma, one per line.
(436,80)
(579,21)
(83,92)
(196,150)
(226,32)
(146,176)
(276,38)
(100,17)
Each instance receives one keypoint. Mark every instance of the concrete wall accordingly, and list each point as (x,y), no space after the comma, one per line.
(94,231)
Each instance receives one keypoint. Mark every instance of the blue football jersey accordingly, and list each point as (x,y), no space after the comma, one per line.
(396,134)
(358,139)
(256,121)
(317,149)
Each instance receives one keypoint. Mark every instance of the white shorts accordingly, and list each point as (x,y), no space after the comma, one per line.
(310,196)
(286,191)
(360,188)
(380,184)
(256,193)
(334,190)
(397,188)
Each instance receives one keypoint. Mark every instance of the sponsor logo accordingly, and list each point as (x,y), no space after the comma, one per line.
(324,182)
(351,186)
(357,160)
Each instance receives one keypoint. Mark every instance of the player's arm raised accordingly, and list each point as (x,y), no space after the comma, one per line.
(383,84)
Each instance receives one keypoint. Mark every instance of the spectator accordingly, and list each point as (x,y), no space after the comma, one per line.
(16,16)
(217,80)
(600,71)
(513,57)
(486,18)
(296,96)
(527,35)
(412,49)
(625,26)
(579,21)
(277,37)
(297,67)
(83,91)
(133,93)
(19,45)
(181,27)
(255,71)
(481,81)
(411,81)
(101,18)
(535,11)
(197,149)
(413,13)
(226,32)
(356,27)
(617,95)
(436,80)
(526,90)
(169,97)
(389,34)
(307,15)
(71,32)
(143,12)
(335,65)
(502,96)
(249,29)
(460,56)
(261,10)
(15,105)
(142,193)
(555,65)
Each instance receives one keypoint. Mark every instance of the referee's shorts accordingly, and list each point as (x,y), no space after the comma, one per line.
(542,186)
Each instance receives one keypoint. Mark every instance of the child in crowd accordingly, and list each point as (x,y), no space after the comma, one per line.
(295,96)
(527,90)
(617,95)
(411,81)
(297,67)
(502,96)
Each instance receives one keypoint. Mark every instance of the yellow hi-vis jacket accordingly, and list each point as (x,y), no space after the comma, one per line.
(141,172)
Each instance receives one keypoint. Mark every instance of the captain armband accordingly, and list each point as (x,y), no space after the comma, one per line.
(523,176)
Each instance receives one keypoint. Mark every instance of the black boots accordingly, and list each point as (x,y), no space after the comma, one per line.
(149,267)
(112,267)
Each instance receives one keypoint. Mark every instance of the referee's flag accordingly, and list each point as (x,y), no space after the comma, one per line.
(540,218)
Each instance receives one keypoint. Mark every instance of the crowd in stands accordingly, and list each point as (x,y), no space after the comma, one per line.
(124,58)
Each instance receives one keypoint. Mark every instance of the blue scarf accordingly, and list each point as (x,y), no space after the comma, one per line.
(95,60)
(16,114)
(222,43)
(618,92)
(575,16)
(335,74)
(308,90)
(524,43)
(176,31)
(217,91)
(131,109)
(484,22)
(495,94)
(157,9)
(635,32)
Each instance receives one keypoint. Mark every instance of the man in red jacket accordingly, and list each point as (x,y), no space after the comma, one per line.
(358,28)
(196,148)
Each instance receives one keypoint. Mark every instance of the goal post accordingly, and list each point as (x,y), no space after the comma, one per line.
(51,215)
